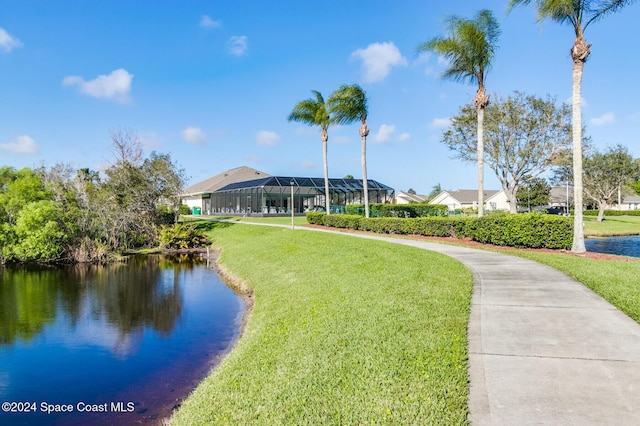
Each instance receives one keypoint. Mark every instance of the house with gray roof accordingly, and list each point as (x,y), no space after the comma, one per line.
(468,199)
(247,191)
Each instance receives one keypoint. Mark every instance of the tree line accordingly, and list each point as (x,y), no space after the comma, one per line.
(80,215)
(470,46)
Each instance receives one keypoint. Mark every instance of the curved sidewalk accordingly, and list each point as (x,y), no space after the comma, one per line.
(543,348)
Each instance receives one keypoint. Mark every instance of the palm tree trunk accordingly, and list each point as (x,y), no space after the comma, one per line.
(579,52)
(480,132)
(364,131)
(327,201)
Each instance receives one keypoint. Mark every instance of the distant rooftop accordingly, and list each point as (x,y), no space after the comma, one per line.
(239,174)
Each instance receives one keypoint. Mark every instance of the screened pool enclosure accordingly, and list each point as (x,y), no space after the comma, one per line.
(272,195)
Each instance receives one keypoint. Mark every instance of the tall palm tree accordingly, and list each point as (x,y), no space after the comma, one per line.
(470,47)
(313,111)
(346,105)
(579,14)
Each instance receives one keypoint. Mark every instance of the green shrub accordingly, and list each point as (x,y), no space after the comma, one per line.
(316,218)
(383,225)
(531,230)
(399,210)
(38,234)
(354,209)
(439,226)
(347,221)
(182,236)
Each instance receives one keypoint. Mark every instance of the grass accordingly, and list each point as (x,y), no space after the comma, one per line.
(277,220)
(348,331)
(343,331)
(611,226)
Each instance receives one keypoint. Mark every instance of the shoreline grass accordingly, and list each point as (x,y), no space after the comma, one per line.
(343,331)
(306,357)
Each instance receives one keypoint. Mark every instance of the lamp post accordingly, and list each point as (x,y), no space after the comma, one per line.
(292,224)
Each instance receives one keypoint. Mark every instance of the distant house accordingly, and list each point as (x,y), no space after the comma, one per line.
(406,198)
(631,202)
(198,195)
(247,191)
(558,196)
(468,199)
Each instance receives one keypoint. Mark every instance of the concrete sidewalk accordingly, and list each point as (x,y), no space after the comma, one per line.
(543,348)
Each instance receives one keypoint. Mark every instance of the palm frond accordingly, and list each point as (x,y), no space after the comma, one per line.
(469,46)
(348,104)
(604,8)
(312,111)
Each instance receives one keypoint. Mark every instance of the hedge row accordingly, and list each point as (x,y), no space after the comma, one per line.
(531,230)
(613,212)
(399,210)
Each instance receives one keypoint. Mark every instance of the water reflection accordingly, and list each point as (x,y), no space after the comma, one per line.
(145,331)
(624,246)
(120,299)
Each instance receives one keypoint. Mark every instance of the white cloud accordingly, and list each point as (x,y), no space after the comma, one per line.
(404,136)
(384,133)
(7,42)
(440,123)
(603,120)
(378,59)
(238,45)
(207,22)
(194,135)
(267,138)
(21,145)
(115,86)
(583,102)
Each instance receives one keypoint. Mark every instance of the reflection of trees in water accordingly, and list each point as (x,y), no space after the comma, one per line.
(140,295)
(143,292)
(27,302)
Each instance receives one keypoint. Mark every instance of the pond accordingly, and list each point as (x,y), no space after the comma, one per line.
(625,246)
(116,344)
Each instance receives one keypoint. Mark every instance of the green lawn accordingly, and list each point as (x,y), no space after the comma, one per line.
(352,331)
(343,331)
(279,220)
(612,225)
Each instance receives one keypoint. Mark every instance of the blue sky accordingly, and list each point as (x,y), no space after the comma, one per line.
(212,82)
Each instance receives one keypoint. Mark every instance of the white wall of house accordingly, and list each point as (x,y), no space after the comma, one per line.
(445,198)
(630,203)
(406,198)
(497,202)
(194,201)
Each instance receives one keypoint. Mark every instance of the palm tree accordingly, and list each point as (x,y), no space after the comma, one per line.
(435,190)
(470,47)
(313,111)
(579,14)
(346,105)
